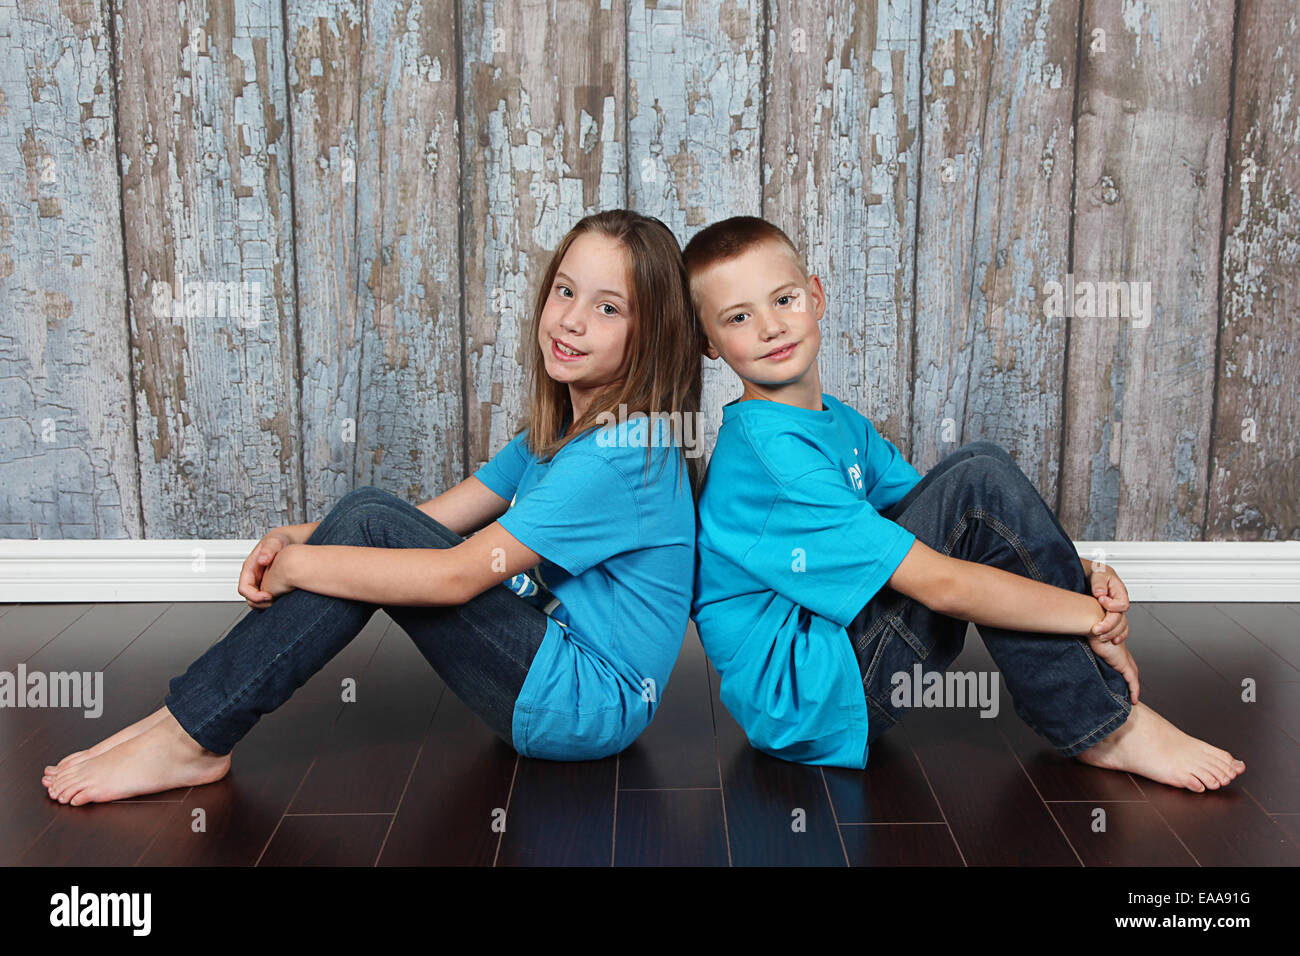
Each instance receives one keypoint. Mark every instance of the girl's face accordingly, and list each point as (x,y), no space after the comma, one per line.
(587,317)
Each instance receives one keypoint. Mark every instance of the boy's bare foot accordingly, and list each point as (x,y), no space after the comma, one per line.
(1151,746)
(126,733)
(163,757)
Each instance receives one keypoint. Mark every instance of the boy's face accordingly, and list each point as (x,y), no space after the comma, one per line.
(761,316)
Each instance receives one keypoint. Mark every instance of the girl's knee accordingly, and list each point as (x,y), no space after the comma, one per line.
(363,494)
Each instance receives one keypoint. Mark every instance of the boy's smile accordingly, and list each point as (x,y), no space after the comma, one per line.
(761,314)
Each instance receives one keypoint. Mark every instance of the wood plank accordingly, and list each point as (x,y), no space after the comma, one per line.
(367,756)
(900,844)
(410,425)
(695,125)
(841,114)
(1272,625)
(777,813)
(135,683)
(1187,691)
(996,172)
(325,42)
(1225,827)
(560,814)
(999,821)
(240,812)
(892,789)
(210,279)
(1255,454)
(330,839)
(69,468)
(1214,635)
(98,834)
(542,145)
(678,749)
(670,828)
(31,627)
(85,646)
(1134,835)
(1054,777)
(459,789)
(1152,131)
(1280,702)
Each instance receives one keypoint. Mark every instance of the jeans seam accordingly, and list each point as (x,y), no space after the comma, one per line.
(243,691)
(1008,535)
(1097,729)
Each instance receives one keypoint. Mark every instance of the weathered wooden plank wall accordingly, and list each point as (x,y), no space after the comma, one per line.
(253,254)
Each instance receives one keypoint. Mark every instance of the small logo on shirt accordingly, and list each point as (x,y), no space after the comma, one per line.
(855,476)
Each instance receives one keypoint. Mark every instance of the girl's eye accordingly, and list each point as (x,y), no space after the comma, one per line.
(562,288)
(738,315)
(613,309)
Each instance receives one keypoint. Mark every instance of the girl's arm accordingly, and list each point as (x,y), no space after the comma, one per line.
(464,508)
(975,592)
(407,576)
(467,507)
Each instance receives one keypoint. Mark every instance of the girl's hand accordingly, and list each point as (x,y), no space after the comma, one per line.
(255,566)
(1119,658)
(275,578)
(1111,594)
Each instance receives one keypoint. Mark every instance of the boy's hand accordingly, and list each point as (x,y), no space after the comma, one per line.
(1111,594)
(1119,658)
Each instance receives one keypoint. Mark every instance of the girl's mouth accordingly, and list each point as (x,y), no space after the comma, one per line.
(564,355)
(781,353)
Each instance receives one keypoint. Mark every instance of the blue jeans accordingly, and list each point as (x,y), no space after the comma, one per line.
(482,649)
(977,505)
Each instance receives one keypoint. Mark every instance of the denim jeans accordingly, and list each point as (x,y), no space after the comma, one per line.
(977,505)
(482,649)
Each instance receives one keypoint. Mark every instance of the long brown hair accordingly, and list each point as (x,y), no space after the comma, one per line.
(662,355)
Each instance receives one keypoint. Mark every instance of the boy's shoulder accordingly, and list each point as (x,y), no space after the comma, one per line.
(767,442)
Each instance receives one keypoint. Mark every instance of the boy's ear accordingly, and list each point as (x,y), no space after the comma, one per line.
(818,294)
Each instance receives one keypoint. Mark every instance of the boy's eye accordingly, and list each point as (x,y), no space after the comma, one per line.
(784,299)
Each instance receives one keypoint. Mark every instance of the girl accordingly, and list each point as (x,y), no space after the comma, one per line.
(611,543)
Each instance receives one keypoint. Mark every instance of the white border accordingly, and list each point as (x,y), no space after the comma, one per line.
(208,570)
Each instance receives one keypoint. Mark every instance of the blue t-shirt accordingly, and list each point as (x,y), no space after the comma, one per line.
(618,553)
(790,548)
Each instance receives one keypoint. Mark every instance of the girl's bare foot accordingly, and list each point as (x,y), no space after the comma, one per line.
(1151,746)
(139,727)
(163,757)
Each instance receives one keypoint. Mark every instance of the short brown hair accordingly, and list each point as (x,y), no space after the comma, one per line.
(728,238)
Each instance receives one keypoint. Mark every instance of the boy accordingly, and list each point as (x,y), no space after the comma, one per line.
(826,564)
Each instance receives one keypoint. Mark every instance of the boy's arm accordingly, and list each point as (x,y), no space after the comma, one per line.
(975,592)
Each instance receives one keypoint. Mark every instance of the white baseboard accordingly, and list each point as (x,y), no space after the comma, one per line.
(208,570)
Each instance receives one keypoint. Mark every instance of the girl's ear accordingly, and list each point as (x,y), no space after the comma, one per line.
(710,351)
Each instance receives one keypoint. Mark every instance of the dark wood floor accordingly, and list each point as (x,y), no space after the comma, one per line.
(408,776)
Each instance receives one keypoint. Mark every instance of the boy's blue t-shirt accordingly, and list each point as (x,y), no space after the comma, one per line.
(618,552)
(790,548)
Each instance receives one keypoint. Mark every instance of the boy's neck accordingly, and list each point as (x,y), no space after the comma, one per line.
(804,393)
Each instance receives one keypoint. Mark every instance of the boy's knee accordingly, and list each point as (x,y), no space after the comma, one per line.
(988,449)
